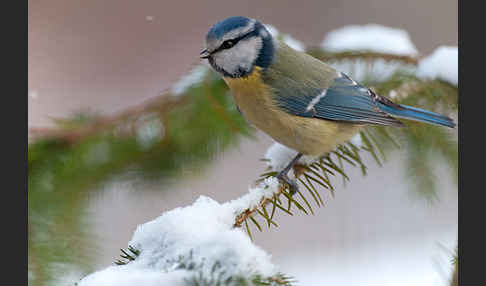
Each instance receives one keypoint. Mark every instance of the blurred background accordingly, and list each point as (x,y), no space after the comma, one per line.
(105,56)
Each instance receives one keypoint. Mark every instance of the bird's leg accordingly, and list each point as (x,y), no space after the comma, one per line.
(282,176)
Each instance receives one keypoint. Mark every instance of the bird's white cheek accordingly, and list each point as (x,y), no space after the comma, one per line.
(240,57)
(246,52)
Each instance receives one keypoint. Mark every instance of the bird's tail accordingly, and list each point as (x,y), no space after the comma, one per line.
(417,114)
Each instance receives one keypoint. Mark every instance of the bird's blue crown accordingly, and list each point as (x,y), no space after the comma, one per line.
(219,29)
(222,28)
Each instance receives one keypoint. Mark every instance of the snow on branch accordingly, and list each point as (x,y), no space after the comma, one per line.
(195,243)
(374,53)
(371,37)
(391,50)
(195,77)
(443,64)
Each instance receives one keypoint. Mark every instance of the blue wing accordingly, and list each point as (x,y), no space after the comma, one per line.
(344,100)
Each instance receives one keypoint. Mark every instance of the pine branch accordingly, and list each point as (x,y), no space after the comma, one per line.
(95,124)
(367,56)
(128,255)
(316,173)
(216,275)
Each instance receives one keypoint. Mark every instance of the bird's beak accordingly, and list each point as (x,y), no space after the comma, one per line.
(204,54)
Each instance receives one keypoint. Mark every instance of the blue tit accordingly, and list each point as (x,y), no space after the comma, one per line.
(295,98)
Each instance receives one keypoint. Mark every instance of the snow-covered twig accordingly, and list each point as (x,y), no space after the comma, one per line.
(443,64)
(193,243)
(371,37)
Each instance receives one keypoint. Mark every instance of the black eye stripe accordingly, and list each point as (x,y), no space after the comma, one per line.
(232,42)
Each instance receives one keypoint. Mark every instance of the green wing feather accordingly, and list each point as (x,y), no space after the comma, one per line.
(305,86)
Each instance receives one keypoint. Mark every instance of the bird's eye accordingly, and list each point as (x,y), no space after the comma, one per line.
(228,44)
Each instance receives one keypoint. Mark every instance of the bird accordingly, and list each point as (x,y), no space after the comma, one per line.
(298,100)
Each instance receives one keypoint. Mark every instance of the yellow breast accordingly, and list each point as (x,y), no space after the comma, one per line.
(309,136)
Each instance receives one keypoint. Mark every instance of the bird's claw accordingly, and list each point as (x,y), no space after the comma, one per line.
(283,178)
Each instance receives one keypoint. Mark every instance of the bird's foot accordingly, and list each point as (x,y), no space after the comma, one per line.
(283,178)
